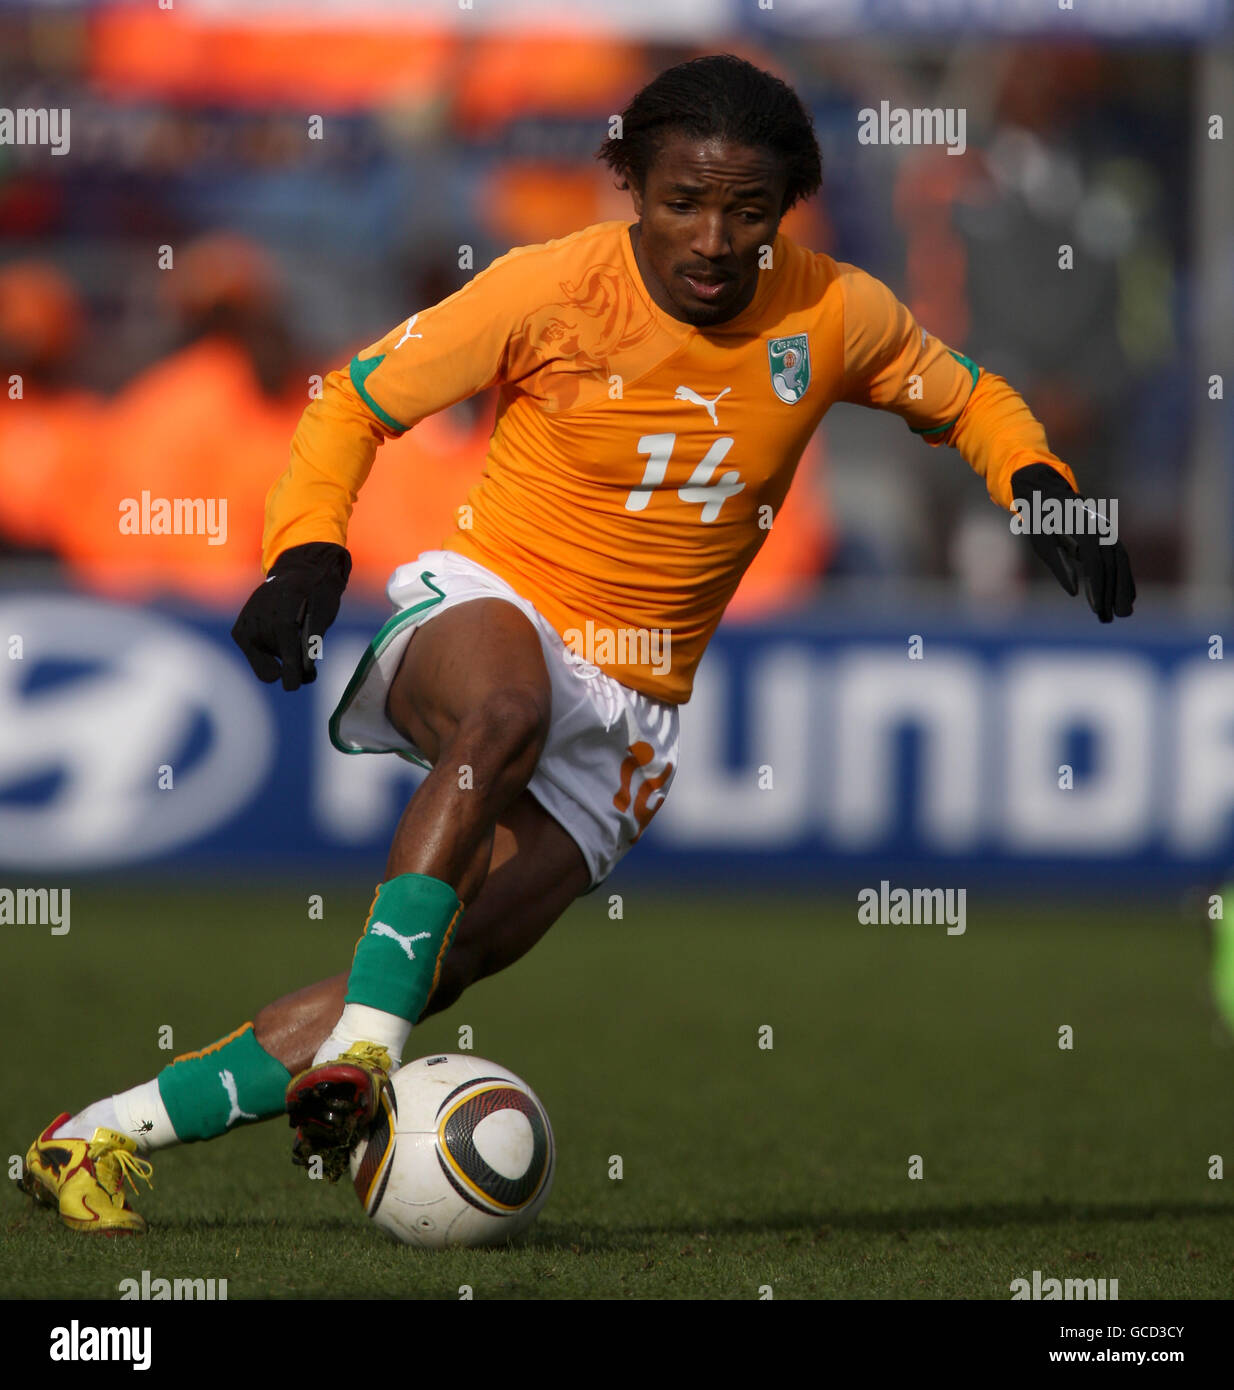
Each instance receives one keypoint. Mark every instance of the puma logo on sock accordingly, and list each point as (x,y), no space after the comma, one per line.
(234,1112)
(381,929)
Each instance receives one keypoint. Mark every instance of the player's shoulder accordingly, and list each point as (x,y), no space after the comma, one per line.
(864,295)
(846,304)
(800,268)
(810,275)
(525,282)
(597,244)
(807,282)
(866,306)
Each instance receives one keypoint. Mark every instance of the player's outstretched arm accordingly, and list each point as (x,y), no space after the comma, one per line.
(304,542)
(995,432)
(429,361)
(891,363)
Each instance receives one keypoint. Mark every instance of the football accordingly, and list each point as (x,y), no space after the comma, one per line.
(461,1153)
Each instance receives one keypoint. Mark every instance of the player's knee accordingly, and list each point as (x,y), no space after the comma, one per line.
(508,729)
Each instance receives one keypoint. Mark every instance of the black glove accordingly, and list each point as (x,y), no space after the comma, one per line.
(299,600)
(1105,569)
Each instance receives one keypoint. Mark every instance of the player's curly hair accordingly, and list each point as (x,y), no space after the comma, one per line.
(718,96)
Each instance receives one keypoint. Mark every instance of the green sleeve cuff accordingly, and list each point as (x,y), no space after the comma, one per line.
(360,373)
(974,371)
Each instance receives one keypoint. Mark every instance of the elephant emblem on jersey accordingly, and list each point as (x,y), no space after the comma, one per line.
(577,336)
(789,363)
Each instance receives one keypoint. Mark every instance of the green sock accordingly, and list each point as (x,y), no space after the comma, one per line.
(232,1081)
(406,937)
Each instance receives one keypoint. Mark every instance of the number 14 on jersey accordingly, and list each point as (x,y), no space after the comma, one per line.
(699,490)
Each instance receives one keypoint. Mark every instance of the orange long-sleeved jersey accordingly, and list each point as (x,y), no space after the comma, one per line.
(637,462)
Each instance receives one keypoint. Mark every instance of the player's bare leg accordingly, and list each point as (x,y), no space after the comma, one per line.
(472,693)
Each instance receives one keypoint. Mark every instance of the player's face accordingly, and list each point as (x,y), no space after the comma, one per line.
(705,210)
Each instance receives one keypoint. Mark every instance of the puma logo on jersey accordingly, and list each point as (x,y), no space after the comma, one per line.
(407,333)
(234,1112)
(381,929)
(687,393)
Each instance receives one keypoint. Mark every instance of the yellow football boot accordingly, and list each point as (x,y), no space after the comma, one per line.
(331,1106)
(84,1179)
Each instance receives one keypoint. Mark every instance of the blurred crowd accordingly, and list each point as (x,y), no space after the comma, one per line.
(291,253)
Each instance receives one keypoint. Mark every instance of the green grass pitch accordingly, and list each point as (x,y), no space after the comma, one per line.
(743,1166)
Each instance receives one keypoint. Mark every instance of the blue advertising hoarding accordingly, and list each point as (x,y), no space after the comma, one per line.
(1024,754)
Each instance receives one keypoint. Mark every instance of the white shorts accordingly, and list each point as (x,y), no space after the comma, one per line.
(611,753)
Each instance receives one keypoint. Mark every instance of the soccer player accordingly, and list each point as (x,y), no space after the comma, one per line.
(658,383)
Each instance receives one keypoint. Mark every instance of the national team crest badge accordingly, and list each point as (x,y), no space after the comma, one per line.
(789,363)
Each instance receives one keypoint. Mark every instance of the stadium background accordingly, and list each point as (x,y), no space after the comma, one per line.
(445,139)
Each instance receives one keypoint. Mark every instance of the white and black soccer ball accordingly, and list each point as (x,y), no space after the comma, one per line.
(461,1153)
